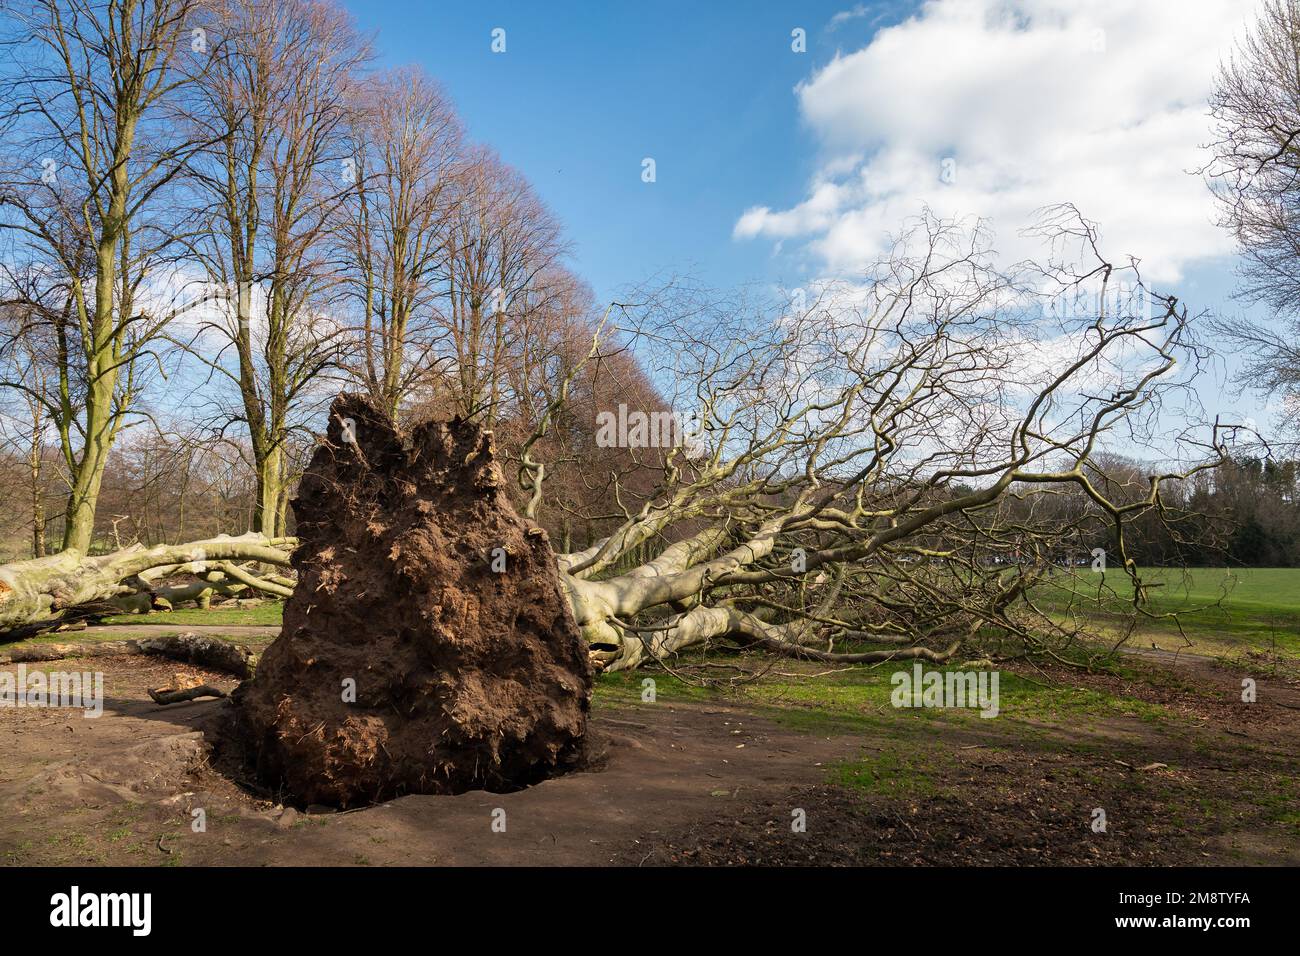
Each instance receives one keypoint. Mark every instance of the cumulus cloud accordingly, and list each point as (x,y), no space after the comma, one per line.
(997,108)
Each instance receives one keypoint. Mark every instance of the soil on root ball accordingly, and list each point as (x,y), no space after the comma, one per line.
(428,647)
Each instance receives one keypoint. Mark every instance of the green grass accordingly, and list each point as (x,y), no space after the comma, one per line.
(893,772)
(860,700)
(1224,612)
(263,615)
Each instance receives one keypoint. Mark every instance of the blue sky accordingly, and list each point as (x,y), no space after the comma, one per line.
(586,91)
(775,166)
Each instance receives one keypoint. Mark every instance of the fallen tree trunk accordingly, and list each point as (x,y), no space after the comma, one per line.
(42,593)
(167,695)
(212,653)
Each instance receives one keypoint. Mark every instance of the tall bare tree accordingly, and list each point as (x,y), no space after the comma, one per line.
(1255,173)
(502,246)
(275,104)
(91,149)
(393,238)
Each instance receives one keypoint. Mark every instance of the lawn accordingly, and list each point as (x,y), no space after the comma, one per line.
(804,697)
(1224,612)
(261,615)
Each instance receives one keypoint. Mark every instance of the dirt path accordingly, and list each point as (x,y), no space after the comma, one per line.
(695,783)
(116,789)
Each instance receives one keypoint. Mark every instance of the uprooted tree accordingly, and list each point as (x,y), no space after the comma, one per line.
(428,647)
(888,471)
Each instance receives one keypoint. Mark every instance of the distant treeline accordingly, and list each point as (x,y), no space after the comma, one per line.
(1246,512)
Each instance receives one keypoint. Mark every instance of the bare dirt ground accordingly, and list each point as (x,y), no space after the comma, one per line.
(696,782)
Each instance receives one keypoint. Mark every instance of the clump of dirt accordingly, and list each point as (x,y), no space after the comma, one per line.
(428,647)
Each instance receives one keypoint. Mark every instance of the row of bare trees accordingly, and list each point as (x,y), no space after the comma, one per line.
(221,206)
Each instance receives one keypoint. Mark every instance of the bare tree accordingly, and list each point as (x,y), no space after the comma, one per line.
(556,388)
(90,153)
(1255,173)
(501,242)
(407,149)
(847,493)
(274,104)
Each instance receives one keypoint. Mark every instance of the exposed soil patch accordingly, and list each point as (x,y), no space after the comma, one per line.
(1000,809)
(699,783)
(664,765)
(428,647)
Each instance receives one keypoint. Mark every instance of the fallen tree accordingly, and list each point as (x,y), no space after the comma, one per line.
(903,469)
(890,472)
(42,593)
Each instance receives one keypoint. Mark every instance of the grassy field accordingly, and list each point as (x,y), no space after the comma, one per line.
(805,698)
(263,615)
(1224,612)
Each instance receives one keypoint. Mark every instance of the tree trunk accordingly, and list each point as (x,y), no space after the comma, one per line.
(38,496)
(43,592)
(269,470)
(79,524)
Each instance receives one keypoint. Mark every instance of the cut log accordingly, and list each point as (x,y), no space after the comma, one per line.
(209,652)
(180,695)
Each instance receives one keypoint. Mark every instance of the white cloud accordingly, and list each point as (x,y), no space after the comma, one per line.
(844,16)
(1037,102)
